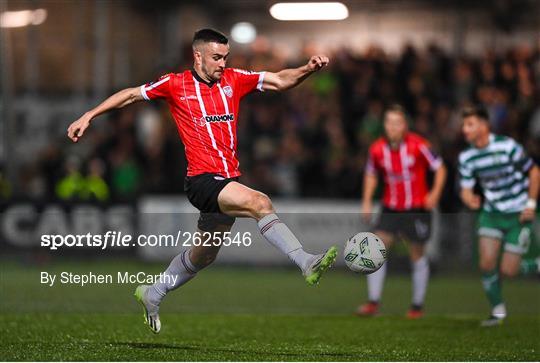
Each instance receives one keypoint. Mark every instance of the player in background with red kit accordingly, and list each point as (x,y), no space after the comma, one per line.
(403,159)
(204,102)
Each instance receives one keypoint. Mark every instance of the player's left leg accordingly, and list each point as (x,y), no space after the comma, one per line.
(489,245)
(387,227)
(183,268)
(375,280)
(420,278)
(238,200)
(517,243)
(417,232)
(510,264)
(496,229)
(492,231)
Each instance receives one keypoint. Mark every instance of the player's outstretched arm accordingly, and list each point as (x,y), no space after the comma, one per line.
(289,78)
(118,100)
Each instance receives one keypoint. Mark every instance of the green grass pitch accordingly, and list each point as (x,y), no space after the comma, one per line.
(259,314)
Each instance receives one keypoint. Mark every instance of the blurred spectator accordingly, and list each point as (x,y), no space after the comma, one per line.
(126,173)
(74,186)
(71,186)
(95,187)
(371,125)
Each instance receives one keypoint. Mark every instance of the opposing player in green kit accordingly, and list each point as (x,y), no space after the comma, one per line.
(510,181)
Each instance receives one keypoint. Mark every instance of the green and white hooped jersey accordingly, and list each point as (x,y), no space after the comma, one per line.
(502,171)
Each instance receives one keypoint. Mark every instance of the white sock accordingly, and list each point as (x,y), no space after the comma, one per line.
(420,278)
(375,283)
(281,237)
(499,311)
(181,268)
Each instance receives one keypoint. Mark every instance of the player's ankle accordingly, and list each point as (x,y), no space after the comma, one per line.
(153,296)
(417,307)
(301,258)
(499,311)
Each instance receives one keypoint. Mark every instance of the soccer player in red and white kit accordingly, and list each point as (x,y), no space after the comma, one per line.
(204,102)
(403,159)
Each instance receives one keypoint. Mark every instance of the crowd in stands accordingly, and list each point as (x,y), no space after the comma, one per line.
(310,141)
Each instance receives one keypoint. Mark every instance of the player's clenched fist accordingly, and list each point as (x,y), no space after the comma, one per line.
(317,62)
(77,128)
(527,215)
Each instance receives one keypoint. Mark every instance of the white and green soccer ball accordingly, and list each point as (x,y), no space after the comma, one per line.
(364,252)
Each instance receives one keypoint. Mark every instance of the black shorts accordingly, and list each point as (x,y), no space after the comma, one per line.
(202,191)
(412,224)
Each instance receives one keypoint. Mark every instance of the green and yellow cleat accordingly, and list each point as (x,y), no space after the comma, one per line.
(320,264)
(151,316)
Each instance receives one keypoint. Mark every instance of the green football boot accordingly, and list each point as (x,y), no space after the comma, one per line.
(319,265)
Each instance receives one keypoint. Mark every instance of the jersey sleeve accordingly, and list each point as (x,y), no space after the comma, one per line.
(520,159)
(247,81)
(431,157)
(157,89)
(466,174)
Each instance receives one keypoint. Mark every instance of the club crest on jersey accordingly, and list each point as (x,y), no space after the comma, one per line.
(216,118)
(228,91)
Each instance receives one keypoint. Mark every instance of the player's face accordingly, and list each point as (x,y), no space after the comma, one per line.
(213,59)
(472,128)
(395,126)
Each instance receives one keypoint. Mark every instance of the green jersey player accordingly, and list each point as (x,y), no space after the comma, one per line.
(510,182)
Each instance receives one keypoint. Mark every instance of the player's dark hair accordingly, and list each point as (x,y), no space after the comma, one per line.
(475,110)
(399,109)
(208,35)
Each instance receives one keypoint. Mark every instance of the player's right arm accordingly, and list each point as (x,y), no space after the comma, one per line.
(289,78)
(370,185)
(471,200)
(160,89)
(467,182)
(118,100)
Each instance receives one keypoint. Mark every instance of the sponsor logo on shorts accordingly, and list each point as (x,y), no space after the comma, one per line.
(219,178)
(422,228)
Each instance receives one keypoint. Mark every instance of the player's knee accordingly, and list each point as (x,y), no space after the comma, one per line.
(416,253)
(487,265)
(415,257)
(260,205)
(203,260)
(209,259)
(509,271)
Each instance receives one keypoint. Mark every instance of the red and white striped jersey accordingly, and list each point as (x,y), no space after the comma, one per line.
(206,115)
(404,170)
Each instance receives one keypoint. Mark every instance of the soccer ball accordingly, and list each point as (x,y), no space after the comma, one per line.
(364,252)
